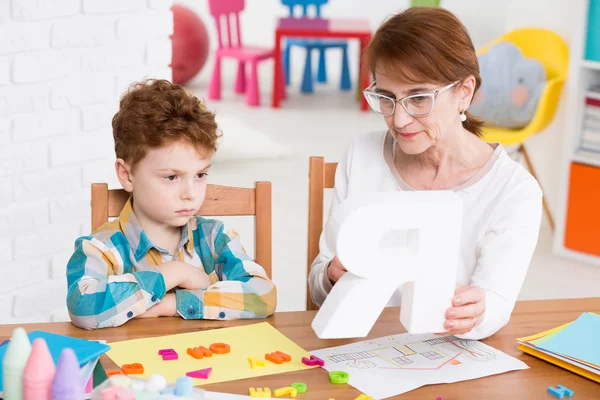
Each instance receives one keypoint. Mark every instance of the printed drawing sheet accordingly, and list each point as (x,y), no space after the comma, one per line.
(393,365)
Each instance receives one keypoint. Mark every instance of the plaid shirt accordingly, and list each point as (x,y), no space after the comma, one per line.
(112,275)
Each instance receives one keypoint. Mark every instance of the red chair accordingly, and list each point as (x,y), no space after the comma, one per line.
(229,48)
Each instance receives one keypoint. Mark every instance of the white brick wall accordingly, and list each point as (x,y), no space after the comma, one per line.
(63,66)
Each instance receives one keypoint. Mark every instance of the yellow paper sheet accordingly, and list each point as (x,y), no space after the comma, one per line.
(245,341)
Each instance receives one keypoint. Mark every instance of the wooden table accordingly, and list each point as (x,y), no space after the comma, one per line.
(528,318)
(330,28)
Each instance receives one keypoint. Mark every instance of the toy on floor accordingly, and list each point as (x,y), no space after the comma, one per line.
(29,372)
(190,44)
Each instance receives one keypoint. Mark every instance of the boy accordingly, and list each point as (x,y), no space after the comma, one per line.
(158,259)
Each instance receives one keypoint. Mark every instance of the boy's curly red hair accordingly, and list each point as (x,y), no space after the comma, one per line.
(154,113)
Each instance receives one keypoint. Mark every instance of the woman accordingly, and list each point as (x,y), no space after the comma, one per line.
(426,73)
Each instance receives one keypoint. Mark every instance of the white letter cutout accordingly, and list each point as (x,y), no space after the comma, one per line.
(388,240)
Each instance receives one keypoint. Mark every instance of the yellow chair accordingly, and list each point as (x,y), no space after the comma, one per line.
(551,50)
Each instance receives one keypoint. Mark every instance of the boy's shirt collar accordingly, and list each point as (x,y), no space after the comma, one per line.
(140,242)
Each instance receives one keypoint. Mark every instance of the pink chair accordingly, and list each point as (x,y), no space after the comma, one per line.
(229,49)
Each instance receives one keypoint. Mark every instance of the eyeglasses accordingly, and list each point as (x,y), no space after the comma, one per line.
(417,105)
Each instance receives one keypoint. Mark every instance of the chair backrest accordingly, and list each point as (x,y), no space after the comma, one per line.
(226,10)
(291,4)
(551,50)
(219,201)
(321,176)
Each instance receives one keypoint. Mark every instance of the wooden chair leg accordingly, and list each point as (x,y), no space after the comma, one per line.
(544,202)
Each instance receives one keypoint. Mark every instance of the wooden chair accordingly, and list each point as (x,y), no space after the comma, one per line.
(321,176)
(219,201)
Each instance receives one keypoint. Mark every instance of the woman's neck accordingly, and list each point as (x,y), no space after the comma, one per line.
(446,164)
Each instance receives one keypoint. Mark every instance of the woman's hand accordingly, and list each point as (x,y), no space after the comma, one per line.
(468,307)
(335,270)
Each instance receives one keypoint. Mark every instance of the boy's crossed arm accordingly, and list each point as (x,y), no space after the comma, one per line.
(177,274)
(101,295)
(243,291)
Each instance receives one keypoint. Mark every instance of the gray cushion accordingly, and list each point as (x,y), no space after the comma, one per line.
(511,87)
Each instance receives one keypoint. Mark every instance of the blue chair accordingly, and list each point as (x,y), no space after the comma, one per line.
(314,44)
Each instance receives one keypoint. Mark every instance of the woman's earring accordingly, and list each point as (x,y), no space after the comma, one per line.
(463,116)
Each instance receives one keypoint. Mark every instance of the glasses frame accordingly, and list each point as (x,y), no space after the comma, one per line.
(434,94)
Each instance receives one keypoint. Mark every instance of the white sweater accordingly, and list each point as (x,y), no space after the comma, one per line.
(502,216)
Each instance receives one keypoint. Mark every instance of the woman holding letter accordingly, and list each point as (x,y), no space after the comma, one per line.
(426,73)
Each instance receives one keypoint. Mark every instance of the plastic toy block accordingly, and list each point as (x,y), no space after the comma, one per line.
(363,397)
(220,348)
(132,369)
(286,357)
(556,392)
(199,352)
(255,363)
(168,354)
(274,359)
(339,377)
(201,373)
(313,361)
(566,390)
(260,393)
(205,351)
(196,353)
(285,390)
(112,372)
(278,357)
(300,387)
(560,391)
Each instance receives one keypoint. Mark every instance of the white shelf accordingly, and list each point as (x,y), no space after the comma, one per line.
(593,95)
(584,74)
(587,158)
(579,256)
(591,64)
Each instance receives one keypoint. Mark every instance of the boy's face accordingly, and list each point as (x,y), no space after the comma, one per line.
(169,184)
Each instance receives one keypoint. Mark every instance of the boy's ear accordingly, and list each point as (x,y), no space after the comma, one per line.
(124,174)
